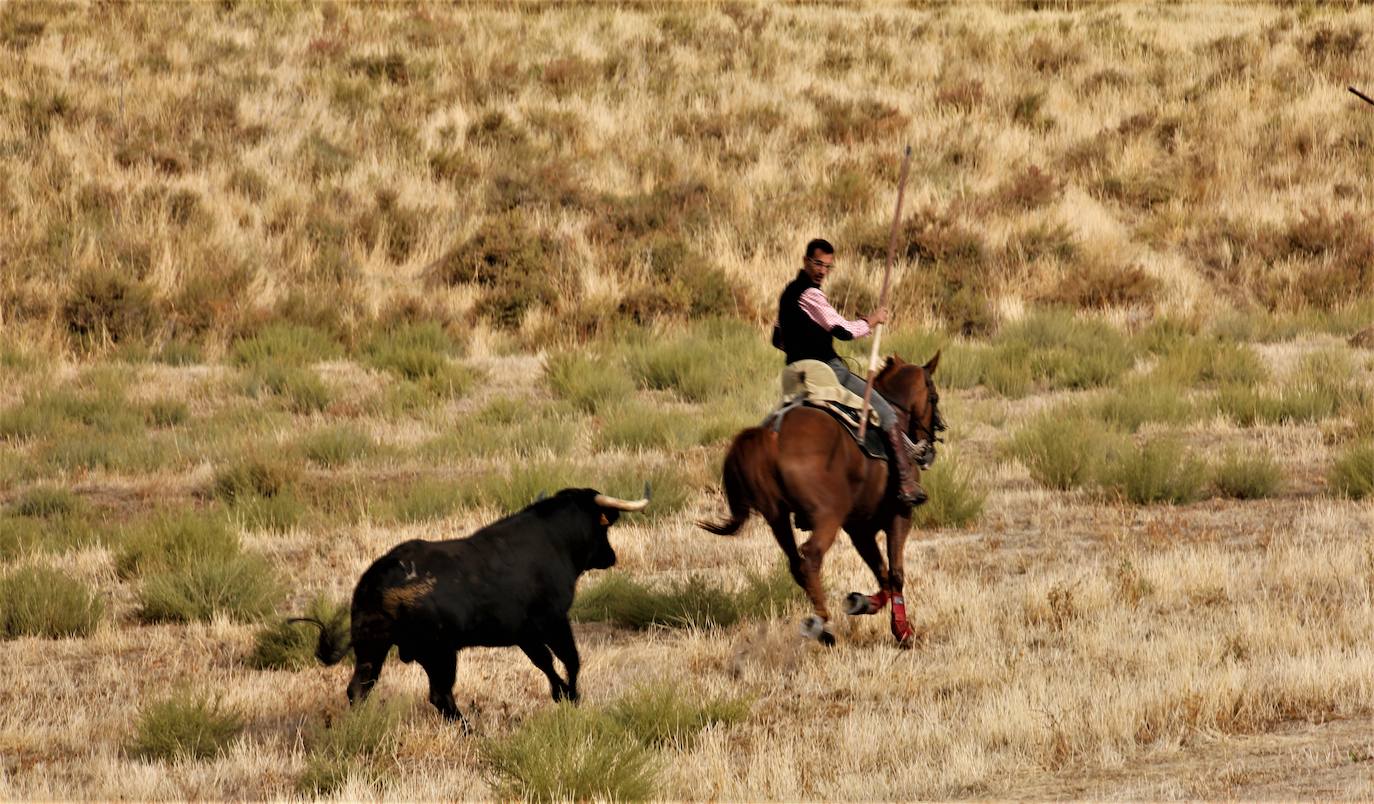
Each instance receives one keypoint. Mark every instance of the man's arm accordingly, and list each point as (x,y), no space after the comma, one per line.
(817,307)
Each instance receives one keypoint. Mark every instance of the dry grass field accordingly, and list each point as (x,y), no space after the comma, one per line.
(284,285)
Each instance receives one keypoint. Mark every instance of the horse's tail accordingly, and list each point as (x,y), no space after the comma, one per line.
(750,480)
(333,644)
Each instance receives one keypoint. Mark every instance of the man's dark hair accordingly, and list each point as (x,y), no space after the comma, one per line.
(823,246)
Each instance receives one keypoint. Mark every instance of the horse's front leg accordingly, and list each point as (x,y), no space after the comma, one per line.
(896,577)
(813,552)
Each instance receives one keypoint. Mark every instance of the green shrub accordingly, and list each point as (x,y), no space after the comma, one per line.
(337,445)
(415,351)
(426,500)
(349,744)
(278,513)
(705,362)
(166,413)
(1159,471)
(57,533)
(291,646)
(185,726)
(1143,402)
(694,602)
(179,353)
(174,541)
(77,450)
(300,389)
(1066,351)
(659,716)
(634,425)
(587,382)
(241,587)
(1208,361)
(254,476)
(1061,448)
(954,501)
(36,601)
(1352,474)
(573,753)
(1251,476)
(521,484)
(287,345)
(46,502)
(73,411)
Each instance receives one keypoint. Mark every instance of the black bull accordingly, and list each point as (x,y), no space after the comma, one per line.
(510,583)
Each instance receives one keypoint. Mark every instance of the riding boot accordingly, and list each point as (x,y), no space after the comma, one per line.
(909,489)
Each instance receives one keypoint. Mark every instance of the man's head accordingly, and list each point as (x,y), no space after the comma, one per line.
(819,259)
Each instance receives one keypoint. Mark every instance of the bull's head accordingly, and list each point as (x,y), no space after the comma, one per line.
(605,510)
(610,508)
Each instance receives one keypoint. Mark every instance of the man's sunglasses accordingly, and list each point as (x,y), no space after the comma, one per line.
(820,264)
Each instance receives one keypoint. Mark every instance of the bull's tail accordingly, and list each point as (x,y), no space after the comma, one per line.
(334,640)
(751,480)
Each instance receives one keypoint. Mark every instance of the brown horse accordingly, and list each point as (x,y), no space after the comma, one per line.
(811,467)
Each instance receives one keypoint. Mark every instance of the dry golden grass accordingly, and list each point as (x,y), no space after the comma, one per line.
(180,179)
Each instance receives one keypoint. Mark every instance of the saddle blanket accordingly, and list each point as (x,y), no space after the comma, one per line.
(811,383)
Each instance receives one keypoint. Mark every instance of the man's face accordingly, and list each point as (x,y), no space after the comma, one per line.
(818,265)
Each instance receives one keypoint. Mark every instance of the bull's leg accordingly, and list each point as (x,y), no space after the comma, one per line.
(442,666)
(813,554)
(896,548)
(857,602)
(539,654)
(560,638)
(367,667)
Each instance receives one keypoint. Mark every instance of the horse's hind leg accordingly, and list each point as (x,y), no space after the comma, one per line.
(857,602)
(812,555)
(787,540)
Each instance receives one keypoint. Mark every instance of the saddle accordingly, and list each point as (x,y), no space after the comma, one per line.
(812,384)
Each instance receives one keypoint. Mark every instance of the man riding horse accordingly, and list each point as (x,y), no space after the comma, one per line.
(806,328)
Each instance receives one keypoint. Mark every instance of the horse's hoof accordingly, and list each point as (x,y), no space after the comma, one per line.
(812,626)
(858,603)
(827,639)
(905,634)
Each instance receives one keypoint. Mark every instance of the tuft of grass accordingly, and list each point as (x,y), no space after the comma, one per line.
(421,353)
(695,602)
(299,388)
(1352,474)
(37,601)
(174,541)
(278,513)
(704,362)
(185,725)
(241,587)
(1192,362)
(1160,471)
(166,413)
(426,500)
(638,426)
(660,717)
(46,502)
(254,476)
(954,501)
(569,752)
(287,345)
(1062,449)
(1242,476)
(337,445)
(587,382)
(291,646)
(348,744)
(1142,402)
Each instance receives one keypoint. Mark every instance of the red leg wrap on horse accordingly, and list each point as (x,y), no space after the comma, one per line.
(878,601)
(901,629)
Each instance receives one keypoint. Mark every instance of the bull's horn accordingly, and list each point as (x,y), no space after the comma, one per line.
(542,496)
(621,505)
(648,492)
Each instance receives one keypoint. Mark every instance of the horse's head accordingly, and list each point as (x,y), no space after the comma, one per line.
(911,390)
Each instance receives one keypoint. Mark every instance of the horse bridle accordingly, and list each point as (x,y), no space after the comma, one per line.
(924,447)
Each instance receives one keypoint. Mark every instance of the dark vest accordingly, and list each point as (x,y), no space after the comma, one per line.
(797,335)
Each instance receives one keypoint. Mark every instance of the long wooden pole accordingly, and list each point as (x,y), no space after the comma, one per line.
(1362,96)
(882,297)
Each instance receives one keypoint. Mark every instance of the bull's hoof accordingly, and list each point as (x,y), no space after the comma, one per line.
(813,627)
(857,603)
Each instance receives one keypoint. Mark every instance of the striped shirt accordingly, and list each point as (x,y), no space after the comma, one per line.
(818,309)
